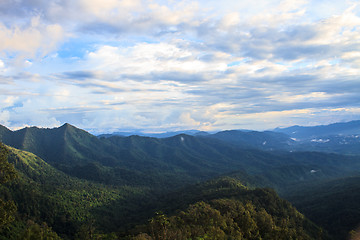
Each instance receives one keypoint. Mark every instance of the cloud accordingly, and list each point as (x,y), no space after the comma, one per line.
(34,40)
(153,62)
(178,64)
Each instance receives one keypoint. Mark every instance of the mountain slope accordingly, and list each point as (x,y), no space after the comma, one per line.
(65,203)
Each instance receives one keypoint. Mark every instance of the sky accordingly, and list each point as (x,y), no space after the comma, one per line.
(155,65)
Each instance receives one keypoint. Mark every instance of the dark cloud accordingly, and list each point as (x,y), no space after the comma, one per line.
(168,76)
(23,8)
(78,75)
(297,51)
(100,27)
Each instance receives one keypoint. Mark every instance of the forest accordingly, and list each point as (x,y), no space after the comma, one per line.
(65,183)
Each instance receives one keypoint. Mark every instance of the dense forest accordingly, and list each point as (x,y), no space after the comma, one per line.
(65,183)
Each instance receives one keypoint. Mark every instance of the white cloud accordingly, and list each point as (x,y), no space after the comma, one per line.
(29,42)
(147,58)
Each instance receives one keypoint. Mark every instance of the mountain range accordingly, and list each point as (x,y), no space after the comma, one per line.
(71,179)
(342,138)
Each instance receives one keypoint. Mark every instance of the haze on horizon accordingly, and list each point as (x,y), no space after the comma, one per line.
(114,65)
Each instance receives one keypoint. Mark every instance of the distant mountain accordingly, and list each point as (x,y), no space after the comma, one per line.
(155,135)
(342,138)
(301,133)
(266,140)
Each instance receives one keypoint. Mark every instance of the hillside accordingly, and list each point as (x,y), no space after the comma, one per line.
(333,205)
(46,194)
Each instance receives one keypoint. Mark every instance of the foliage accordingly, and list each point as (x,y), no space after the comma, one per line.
(39,232)
(7,173)
(231,212)
(333,205)
(45,194)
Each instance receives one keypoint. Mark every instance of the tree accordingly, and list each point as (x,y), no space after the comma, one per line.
(7,173)
(35,231)
(159,226)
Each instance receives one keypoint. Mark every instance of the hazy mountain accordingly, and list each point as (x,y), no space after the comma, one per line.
(155,135)
(341,138)
(298,132)
(253,139)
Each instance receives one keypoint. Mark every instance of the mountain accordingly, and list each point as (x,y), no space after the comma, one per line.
(266,140)
(340,138)
(154,135)
(74,181)
(174,161)
(301,133)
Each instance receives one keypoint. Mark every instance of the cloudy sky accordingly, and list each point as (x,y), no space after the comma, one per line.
(156,65)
